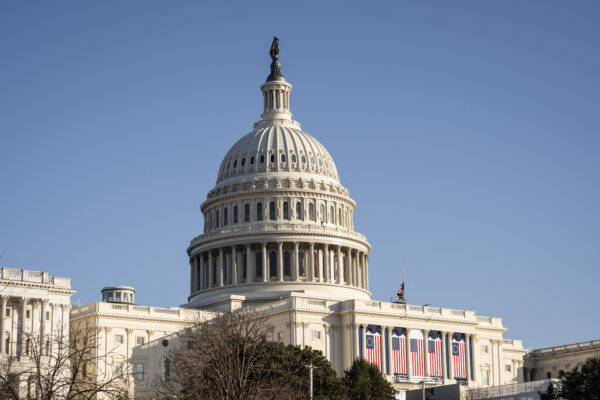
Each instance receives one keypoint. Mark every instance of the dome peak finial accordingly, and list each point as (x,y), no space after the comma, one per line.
(275,74)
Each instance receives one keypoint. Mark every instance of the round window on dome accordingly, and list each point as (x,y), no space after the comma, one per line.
(293,158)
(252,160)
(262,159)
(228,165)
(243,161)
(320,162)
(282,158)
(312,160)
(303,158)
(272,158)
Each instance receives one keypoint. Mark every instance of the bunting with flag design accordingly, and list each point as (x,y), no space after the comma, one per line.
(458,356)
(373,345)
(417,353)
(399,350)
(434,350)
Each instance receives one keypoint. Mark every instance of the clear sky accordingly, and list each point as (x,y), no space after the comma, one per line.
(467,132)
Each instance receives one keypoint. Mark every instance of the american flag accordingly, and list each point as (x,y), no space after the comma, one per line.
(416,353)
(401,291)
(458,356)
(434,348)
(399,350)
(373,344)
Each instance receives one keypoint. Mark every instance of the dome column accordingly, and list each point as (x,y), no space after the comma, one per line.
(249,267)
(349,266)
(220,268)
(295,272)
(326,262)
(264,262)
(280,261)
(311,262)
(211,271)
(234,266)
(340,265)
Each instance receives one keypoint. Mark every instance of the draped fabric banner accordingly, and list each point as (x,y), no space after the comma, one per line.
(434,349)
(417,353)
(458,356)
(373,345)
(399,350)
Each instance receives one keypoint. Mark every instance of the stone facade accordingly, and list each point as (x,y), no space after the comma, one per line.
(34,309)
(549,362)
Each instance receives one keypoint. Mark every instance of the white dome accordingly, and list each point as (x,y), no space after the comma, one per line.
(276,149)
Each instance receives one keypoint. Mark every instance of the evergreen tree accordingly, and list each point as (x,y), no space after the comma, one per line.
(582,383)
(365,382)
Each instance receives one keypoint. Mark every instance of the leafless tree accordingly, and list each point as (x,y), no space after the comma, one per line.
(61,367)
(228,357)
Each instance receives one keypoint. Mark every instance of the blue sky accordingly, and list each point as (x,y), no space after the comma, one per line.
(467,132)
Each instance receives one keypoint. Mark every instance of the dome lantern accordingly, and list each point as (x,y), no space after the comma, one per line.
(276,91)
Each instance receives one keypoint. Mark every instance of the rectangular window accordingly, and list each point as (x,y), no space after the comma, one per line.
(28,314)
(8,311)
(47,315)
(316,335)
(119,339)
(280,336)
(507,368)
(118,369)
(486,377)
(7,345)
(139,371)
(139,340)
(484,348)
(118,296)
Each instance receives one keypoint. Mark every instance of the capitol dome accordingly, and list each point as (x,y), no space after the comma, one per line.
(278,220)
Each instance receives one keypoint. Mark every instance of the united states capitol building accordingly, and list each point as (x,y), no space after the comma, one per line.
(279,236)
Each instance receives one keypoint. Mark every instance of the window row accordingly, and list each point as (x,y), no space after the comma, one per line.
(232,165)
(335,215)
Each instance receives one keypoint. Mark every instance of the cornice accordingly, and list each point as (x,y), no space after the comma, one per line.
(48,287)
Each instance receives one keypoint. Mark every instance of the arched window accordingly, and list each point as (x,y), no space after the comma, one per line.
(286,210)
(339,220)
(252,160)
(311,211)
(322,212)
(272,211)
(224,270)
(298,210)
(301,266)
(272,264)
(225,216)
(262,158)
(282,158)
(165,369)
(272,158)
(259,214)
(331,215)
(247,213)
(259,265)
(217,221)
(287,264)
(316,267)
(243,161)
(235,164)
(235,214)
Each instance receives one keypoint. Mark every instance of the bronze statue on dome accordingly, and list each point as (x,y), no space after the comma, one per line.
(275,49)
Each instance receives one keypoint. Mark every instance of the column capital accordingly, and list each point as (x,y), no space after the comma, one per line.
(4,300)
(23,300)
(129,330)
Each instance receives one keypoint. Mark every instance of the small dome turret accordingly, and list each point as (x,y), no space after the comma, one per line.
(118,294)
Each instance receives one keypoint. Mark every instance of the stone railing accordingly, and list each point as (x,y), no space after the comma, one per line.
(509,390)
(278,227)
(25,275)
(569,348)
(132,310)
